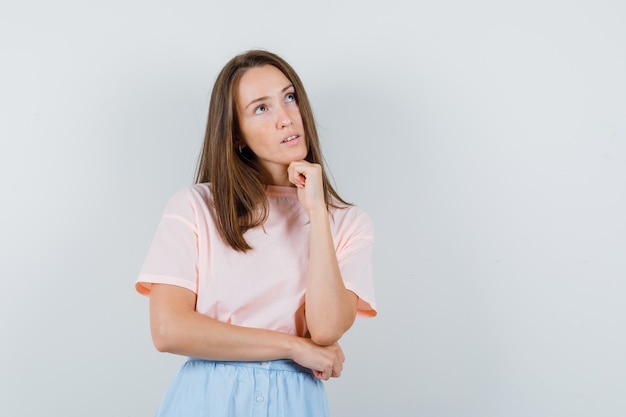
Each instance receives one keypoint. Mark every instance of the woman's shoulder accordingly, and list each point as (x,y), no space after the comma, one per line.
(188,192)
(189,198)
(351,216)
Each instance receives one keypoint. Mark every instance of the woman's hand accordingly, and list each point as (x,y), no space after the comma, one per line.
(308,178)
(324,361)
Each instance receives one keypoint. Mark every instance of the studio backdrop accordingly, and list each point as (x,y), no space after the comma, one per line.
(486,140)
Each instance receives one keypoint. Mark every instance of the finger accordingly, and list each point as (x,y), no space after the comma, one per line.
(326,375)
(341,356)
(302,168)
(319,375)
(297,176)
(339,367)
(296,180)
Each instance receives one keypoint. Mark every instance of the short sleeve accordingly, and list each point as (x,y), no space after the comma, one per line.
(355,241)
(173,255)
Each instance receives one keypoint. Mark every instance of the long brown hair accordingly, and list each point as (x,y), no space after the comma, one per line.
(237,179)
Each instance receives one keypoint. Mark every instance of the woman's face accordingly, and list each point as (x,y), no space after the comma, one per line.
(270,121)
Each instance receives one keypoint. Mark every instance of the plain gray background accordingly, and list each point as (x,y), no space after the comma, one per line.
(486,139)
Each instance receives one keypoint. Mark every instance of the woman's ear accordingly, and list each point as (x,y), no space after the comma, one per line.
(239,144)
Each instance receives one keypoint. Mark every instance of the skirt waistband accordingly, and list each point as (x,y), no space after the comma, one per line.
(275,365)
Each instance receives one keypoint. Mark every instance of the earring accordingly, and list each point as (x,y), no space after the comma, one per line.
(240,150)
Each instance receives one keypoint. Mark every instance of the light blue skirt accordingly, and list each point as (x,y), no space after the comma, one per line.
(279,388)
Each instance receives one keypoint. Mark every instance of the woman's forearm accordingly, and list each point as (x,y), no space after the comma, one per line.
(330,308)
(177,328)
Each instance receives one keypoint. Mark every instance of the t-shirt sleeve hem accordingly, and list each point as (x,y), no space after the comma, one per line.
(365,307)
(145,281)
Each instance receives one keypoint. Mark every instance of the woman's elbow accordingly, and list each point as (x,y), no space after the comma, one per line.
(163,338)
(170,307)
(161,344)
(327,335)
(325,338)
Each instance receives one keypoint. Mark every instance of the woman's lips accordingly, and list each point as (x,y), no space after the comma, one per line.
(290,138)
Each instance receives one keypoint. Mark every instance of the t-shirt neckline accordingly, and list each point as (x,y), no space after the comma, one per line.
(281,191)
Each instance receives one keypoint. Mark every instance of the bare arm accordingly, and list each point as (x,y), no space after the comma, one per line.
(177,328)
(330,307)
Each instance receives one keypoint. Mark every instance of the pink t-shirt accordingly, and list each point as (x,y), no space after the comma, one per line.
(264,287)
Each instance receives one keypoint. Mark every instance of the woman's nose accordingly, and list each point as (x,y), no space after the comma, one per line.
(283,118)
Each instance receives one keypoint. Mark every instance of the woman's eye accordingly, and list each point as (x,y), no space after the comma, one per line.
(261,109)
(290,97)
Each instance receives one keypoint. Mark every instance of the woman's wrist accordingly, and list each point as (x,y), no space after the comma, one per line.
(294,347)
(317,213)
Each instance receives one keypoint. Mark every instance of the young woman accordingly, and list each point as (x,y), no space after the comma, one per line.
(257,270)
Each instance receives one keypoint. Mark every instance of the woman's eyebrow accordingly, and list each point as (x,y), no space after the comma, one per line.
(256,100)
